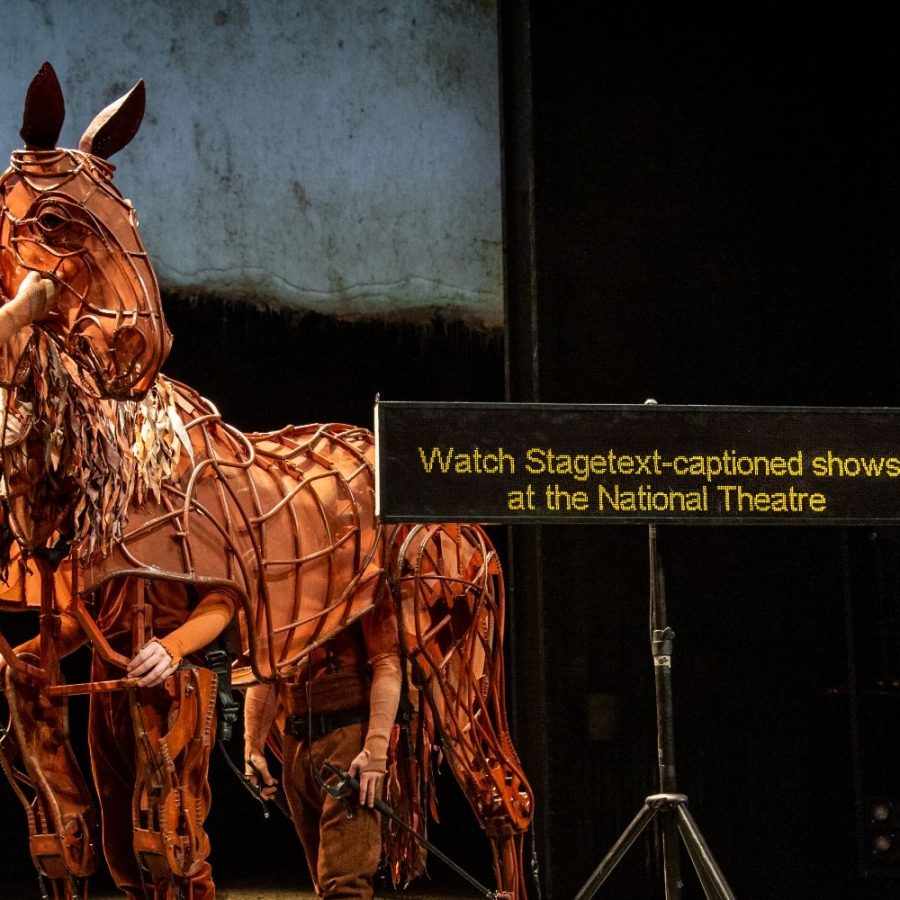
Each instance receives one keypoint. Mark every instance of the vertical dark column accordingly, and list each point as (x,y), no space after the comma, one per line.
(714,217)
(892,180)
(527,656)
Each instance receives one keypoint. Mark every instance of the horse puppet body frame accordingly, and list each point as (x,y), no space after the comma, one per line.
(146,484)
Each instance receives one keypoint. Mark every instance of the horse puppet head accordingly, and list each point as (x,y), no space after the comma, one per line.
(62,219)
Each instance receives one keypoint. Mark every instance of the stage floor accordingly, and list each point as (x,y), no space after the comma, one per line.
(244,892)
(271,893)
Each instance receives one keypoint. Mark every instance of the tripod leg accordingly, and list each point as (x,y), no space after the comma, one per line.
(671,855)
(713,880)
(618,850)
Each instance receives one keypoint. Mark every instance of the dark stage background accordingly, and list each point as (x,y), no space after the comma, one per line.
(701,216)
(707,214)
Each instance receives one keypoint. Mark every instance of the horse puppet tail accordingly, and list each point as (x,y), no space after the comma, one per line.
(447,584)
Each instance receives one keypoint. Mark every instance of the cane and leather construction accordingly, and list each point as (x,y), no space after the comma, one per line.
(135,481)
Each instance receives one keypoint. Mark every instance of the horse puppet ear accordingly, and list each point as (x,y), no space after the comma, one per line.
(116,125)
(45,111)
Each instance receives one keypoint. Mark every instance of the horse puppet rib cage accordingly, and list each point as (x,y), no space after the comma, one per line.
(120,486)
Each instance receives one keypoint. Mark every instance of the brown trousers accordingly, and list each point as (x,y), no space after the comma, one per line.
(112,745)
(343,853)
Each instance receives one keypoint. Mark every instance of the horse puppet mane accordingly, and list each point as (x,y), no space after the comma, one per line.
(71,463)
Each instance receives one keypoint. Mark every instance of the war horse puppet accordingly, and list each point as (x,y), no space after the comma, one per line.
(126,500)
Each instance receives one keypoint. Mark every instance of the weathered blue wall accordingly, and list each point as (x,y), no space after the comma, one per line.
(342,157)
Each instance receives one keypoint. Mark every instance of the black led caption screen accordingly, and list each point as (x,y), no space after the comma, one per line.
(540,463)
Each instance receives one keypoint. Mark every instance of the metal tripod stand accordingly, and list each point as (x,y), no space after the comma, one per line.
(668,805)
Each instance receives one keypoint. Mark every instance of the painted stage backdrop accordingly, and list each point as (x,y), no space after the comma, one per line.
(337,157)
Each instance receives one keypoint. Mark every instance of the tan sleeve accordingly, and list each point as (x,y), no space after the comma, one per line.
(260,708)
(203,625)
(380,631)
(68,639)
(383,701)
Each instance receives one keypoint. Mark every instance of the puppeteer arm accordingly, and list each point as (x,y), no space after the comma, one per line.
(380,633)
(371,764)
(68,639)
(69,635)
(202,627)
(260,709)
(159,658)
(383,701)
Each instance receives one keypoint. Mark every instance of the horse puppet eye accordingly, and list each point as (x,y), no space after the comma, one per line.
(50,220)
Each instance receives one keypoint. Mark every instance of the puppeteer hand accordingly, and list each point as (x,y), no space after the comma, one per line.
(151,665)
(369,781)
(256,763)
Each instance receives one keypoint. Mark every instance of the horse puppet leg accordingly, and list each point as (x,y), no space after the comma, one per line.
(174,727)
(448,586)
(37,759)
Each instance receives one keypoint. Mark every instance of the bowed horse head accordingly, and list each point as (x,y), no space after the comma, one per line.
(64,225)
